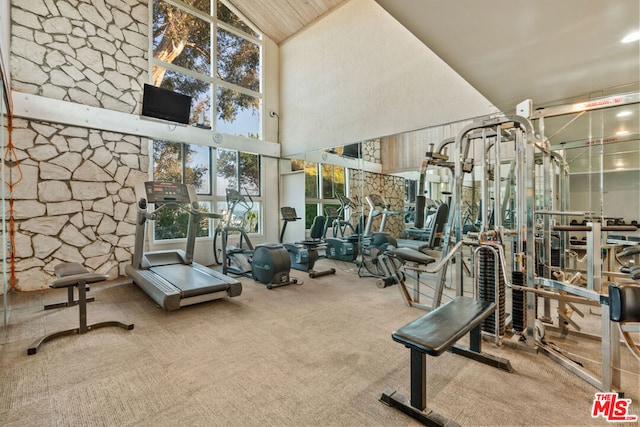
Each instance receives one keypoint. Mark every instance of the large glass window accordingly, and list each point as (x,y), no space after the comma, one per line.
(193,165)
(202,49)
(323,184)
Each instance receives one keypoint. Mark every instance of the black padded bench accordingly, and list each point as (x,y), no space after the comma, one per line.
(433,334)
(73,274)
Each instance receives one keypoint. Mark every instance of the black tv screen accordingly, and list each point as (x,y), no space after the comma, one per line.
(165,104)
(352,150)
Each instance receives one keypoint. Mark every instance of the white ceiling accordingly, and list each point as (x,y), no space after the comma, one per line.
(509,50)
(550,51)
(280,19)
(545,50)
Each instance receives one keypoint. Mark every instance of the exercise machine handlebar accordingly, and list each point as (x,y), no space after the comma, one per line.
(588,228)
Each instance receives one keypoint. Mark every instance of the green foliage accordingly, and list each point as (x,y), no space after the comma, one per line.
(234,166)
(310,212)
(180,38)
(173,223)
(167,162)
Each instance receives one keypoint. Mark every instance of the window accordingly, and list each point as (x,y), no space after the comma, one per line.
(240,171)
(192,165)
(323,184)
(201,48)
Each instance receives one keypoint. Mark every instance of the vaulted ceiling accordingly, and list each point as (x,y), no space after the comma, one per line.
(280,19)
(509,50)
(550,51)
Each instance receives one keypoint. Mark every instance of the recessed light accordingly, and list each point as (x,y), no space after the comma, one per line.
(625,113)
(622,132)
(631,37)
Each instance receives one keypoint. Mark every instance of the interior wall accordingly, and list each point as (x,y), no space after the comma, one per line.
(358,74)
(77,84)
(291,186)
(406,151)
(620,198)
(4,37)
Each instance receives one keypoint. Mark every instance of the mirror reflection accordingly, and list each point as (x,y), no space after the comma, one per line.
(378,186)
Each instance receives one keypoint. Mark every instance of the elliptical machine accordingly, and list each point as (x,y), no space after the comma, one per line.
(375,243)
(304,254)
(267,263)
(341,247)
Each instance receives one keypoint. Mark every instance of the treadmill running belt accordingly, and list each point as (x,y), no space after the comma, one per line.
(190,281)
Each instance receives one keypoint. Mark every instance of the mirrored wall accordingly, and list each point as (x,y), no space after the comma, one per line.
(597,151)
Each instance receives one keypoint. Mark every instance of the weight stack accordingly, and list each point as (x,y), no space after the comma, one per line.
(555,257)
(487,289)
(518,303)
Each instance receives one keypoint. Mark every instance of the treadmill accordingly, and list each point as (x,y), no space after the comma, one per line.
(170,277)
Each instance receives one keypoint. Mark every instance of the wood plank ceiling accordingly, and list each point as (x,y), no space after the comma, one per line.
(281,19)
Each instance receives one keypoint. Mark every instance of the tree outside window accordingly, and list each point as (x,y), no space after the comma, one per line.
(323,184)
(176,162)
(240,171)
(183,61)
(203,49)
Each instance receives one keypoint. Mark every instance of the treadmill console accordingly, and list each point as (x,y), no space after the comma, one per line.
(163,192)
(377,200)
(289,213)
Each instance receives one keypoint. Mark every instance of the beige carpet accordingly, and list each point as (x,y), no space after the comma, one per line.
(319,354)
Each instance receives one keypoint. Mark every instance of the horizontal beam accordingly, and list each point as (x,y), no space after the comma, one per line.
(35,107)
(593,104)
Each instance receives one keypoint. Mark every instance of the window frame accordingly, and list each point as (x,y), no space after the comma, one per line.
(320,201)
(213,80)
(214,199)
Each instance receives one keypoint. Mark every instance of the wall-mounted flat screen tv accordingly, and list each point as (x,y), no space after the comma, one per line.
(165,104)
(352,150)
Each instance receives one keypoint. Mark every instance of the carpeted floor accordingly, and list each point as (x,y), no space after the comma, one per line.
(317,354)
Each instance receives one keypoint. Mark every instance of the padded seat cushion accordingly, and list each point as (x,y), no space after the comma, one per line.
(69,268)
(436,331)
(72,273)
(412,255)
(624,302)
(75,279)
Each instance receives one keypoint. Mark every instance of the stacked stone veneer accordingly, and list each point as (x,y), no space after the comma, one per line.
(76,200)
(92,52)
(390,187)
(371,151)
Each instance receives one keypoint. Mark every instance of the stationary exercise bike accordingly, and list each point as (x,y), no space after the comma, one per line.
(267,263)
(304,254)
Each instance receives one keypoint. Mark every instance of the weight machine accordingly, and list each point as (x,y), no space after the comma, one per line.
(522,245)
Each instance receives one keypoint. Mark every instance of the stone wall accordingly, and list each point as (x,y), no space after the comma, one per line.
(75,200)
(92,52)
(371,151)
(388,186)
